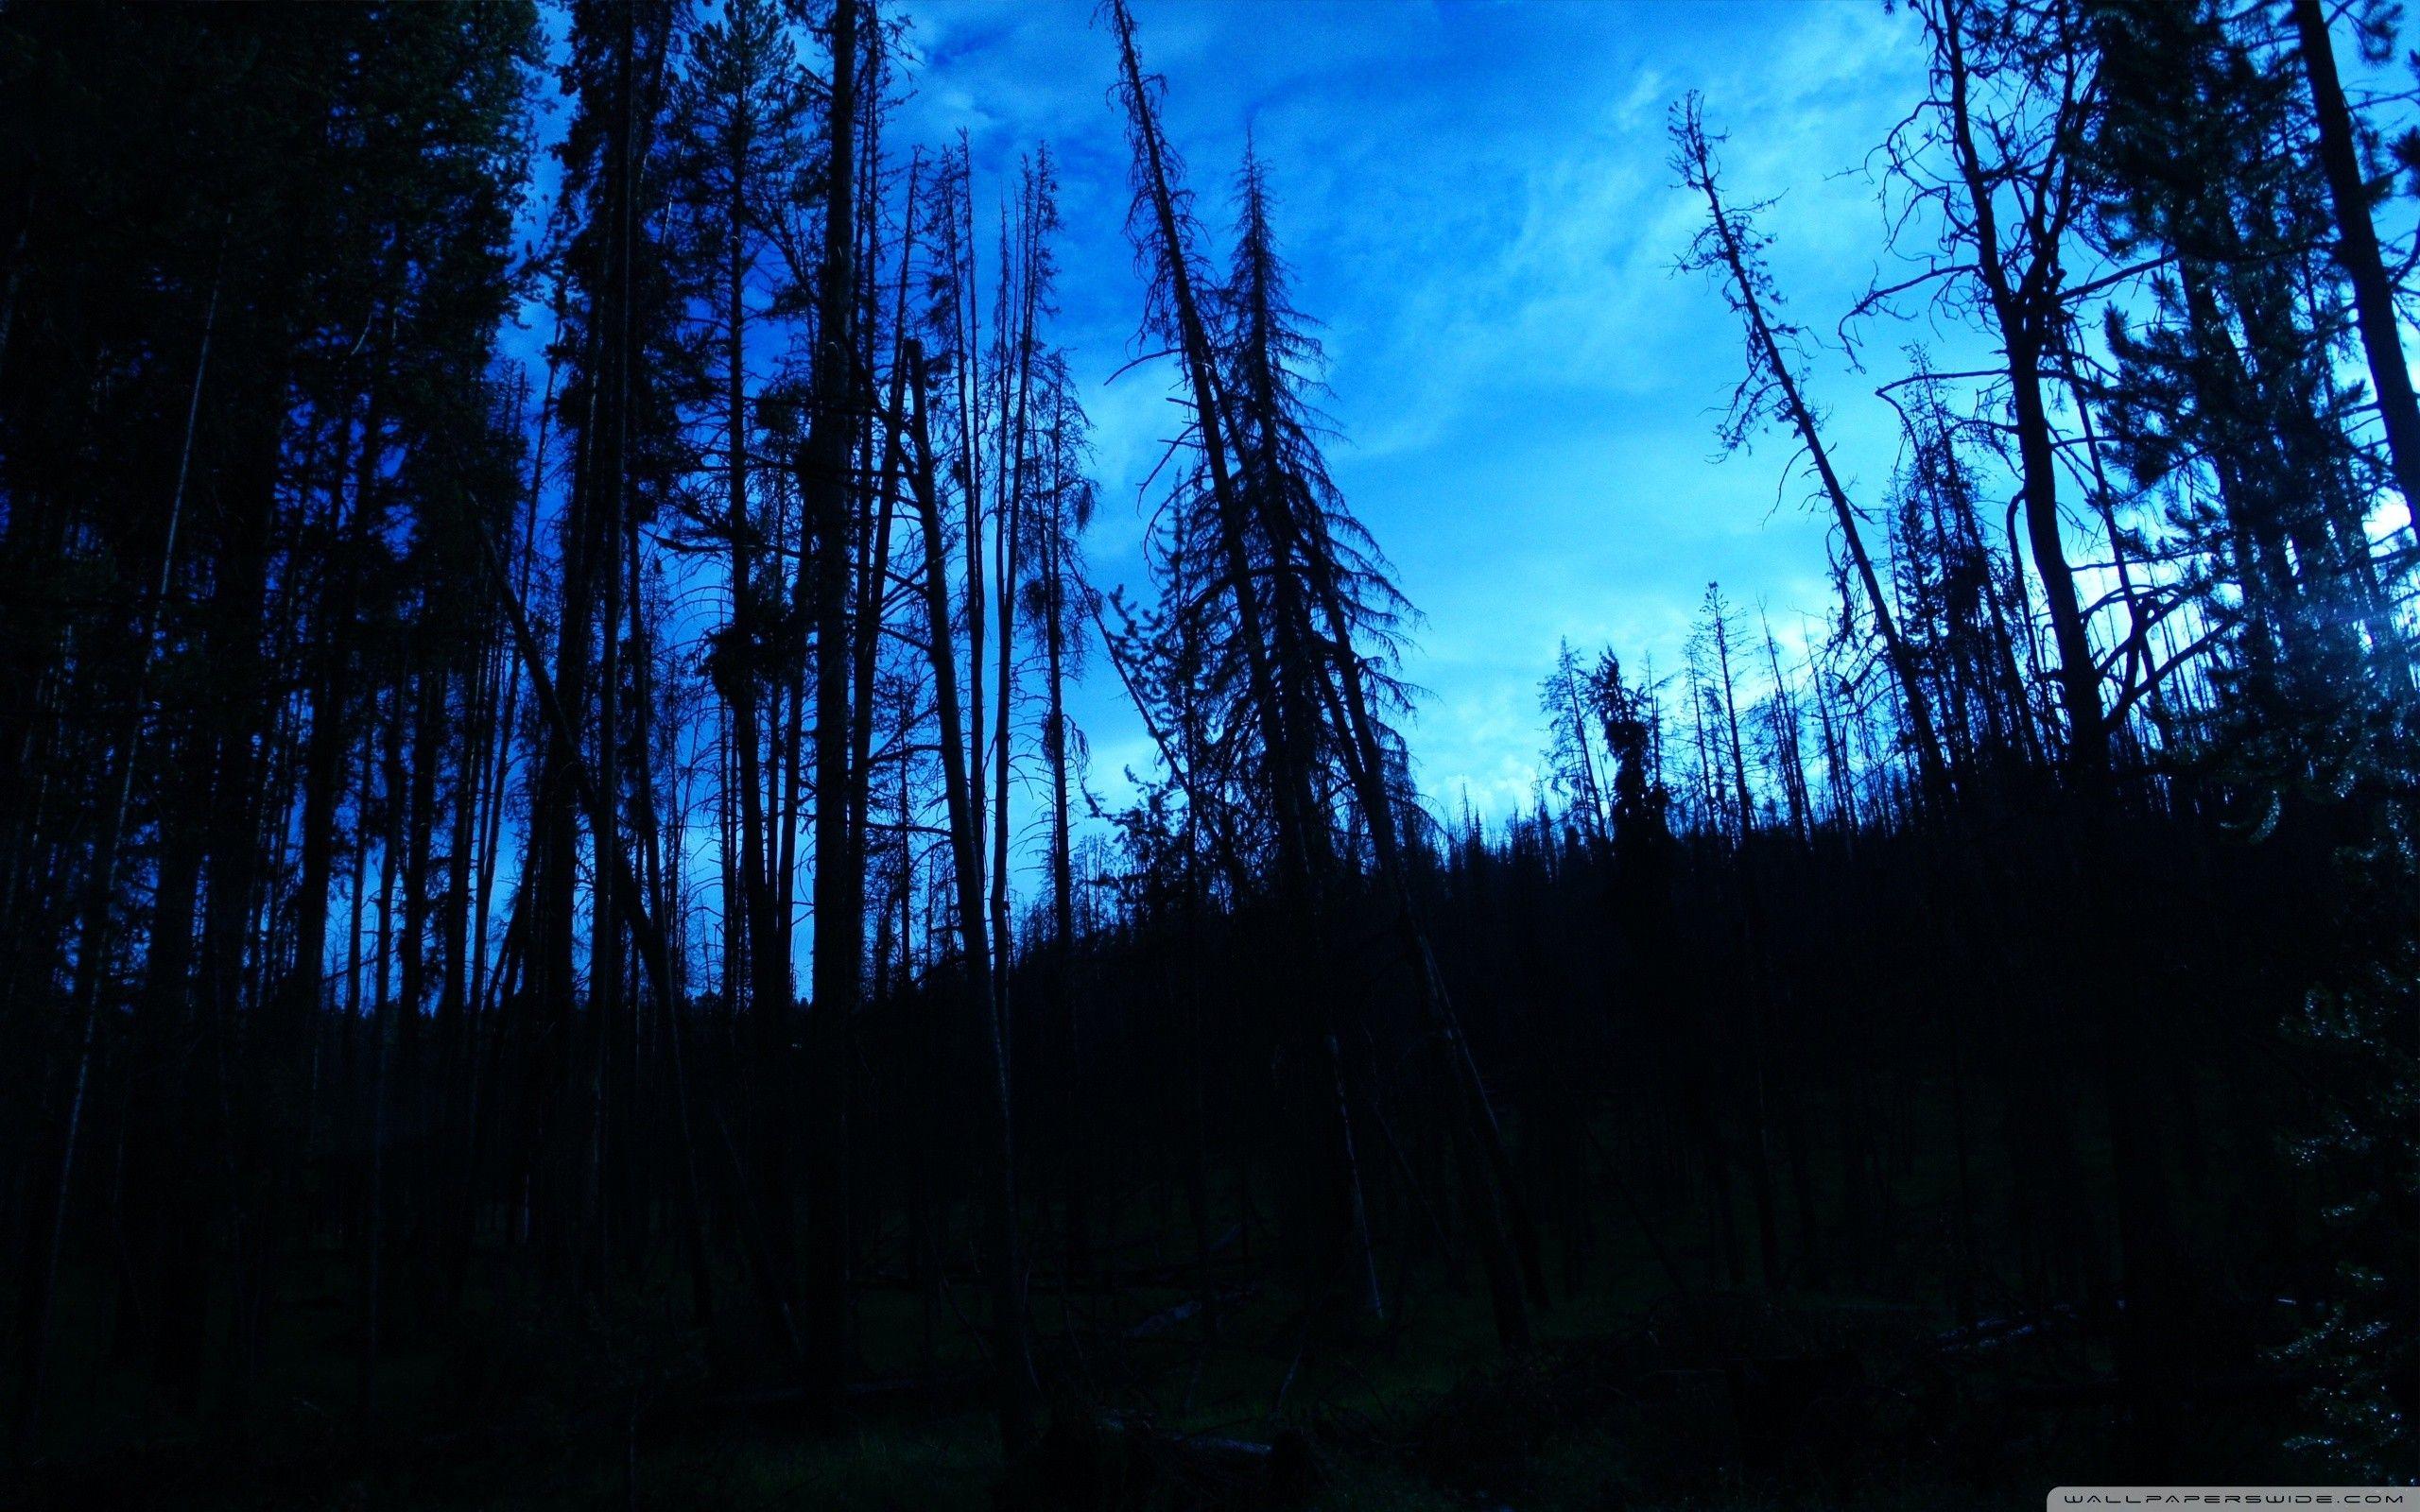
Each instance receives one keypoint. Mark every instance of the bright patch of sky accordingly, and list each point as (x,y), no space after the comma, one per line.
(1475,199)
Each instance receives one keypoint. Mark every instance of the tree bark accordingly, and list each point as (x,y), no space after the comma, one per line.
(1018,1391)
(825,487)
(2356,248)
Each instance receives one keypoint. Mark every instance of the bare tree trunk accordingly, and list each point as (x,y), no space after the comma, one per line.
(1073,1127)
(827,494)
(2025,311)
(381,1031)
(2078,674)
(1018,1392)
(2356,248)
(1699,161)
(1012,481)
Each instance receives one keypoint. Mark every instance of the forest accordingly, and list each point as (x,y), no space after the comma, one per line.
(563,944)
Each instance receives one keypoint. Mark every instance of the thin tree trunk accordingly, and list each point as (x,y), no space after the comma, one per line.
(1802,420)
(827,494)
(2356,248)
(1012,1359)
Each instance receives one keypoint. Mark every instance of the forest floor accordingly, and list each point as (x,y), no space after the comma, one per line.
(1436,1420)
(1614,1408)
(1635,1396)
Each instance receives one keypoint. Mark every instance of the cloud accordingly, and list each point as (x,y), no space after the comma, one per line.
(1476,202)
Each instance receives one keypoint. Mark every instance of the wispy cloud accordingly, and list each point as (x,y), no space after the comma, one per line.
(1476,202)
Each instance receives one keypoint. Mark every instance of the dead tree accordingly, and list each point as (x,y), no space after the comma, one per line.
(1018,1392)
(1731,242)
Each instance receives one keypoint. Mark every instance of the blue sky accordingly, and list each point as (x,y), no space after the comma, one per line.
(1476,202)
(1474,199)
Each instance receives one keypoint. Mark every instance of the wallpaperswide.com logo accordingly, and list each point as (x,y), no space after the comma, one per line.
(2066,1497)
